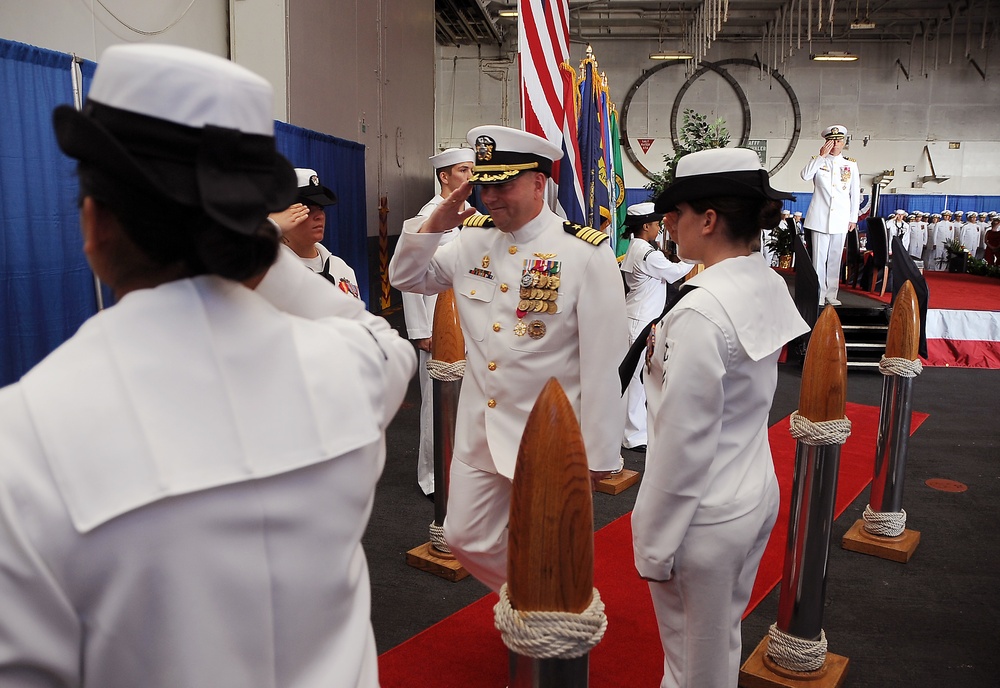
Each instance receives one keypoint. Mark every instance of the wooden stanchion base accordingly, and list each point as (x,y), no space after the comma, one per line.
(899,548)
(760,671)
(619,482)
(426,558)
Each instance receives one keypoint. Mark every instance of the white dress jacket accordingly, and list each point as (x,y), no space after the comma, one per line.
(836,199)
(580,344)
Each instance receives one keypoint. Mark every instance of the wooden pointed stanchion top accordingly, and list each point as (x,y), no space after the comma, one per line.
(447,342)
(903,340)
(550,555)
(823,394)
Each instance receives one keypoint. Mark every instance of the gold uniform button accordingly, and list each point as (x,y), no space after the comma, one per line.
(512,250)
(503,288)
(492,365)
(492,403)
(472,293)
(496,327)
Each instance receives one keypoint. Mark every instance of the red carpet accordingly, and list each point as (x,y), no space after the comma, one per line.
(465,649)
(951,291)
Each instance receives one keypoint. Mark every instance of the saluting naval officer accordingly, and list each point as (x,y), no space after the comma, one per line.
(452,167)
(833,211)
(647,272)
(538,297)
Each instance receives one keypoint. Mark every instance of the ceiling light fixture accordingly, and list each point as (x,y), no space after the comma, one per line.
(508,13)
(670,55)
(834,56)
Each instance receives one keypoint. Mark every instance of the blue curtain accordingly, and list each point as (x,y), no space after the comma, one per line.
(340,165)
(46,287)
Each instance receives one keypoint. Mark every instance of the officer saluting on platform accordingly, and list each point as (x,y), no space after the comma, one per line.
(833,211)
(538,297)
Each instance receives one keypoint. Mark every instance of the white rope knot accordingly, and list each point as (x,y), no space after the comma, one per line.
(550,635)
(437,538)
(900,367)
(884,523)
(819,433)
(793,653)
(446,372)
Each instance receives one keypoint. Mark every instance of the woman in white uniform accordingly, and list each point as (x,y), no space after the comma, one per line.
(709,497)
(302,227)
(185,481)
(647,272)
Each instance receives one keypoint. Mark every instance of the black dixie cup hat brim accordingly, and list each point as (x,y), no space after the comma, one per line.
(741,184)
(634,222)
(235,177)
(321,197)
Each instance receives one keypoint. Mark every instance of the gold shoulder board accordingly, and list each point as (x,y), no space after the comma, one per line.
(588,234)
(479,220)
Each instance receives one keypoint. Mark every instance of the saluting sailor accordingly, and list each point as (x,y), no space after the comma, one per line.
(833,211)
(647,273)
(452,167)
(538,297)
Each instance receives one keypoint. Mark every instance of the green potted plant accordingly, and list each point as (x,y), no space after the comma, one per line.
(782,244)
(696,134)
(958,257)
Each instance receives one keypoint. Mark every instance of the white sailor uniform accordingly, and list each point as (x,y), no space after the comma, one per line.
(647,273)
(418,313)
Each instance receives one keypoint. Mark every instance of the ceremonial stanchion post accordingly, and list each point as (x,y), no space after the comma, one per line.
(882,532)
(549,613)
(446,368)
(794,652)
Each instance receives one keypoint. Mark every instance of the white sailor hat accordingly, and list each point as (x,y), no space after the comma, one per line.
(184,126)
(785,211)
(718,172)
(452,156)
(502,153)
(797,213)
(311,192)
(639,214)
(837,131)
(900,211)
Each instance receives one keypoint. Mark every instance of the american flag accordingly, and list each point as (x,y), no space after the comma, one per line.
(548,93)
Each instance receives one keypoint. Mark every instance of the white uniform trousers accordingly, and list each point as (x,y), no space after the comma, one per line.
(635,418)
(476,524)
(827,255)
(699,610)
(425,448)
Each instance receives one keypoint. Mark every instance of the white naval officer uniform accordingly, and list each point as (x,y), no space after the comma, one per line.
(709,496)
(647,273)
(184,487)
(333,268)
(944,231)
(510,358)
(835,204)
(418,313)
(918,238)
(969,236)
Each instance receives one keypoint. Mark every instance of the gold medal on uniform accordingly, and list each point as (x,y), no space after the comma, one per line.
(486,262)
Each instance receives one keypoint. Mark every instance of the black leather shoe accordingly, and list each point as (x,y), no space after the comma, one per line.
(639,449)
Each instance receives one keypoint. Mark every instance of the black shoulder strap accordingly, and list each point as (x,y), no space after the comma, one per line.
(631,359)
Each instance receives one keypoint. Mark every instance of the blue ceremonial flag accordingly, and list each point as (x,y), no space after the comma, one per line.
(595,191)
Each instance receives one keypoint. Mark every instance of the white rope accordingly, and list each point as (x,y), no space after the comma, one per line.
(437,538)
(821,432)
(900,367)
(795,654)
(885,523)
(446,372)
(550,635)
